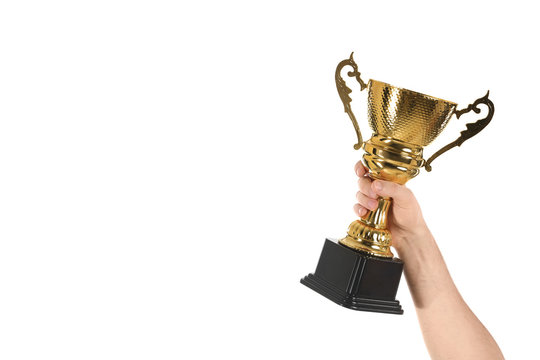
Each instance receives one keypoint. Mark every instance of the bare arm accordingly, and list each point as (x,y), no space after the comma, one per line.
(450,328)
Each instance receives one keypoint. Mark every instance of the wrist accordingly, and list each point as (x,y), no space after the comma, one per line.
(414,239)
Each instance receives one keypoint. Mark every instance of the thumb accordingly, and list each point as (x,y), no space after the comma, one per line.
(399,193)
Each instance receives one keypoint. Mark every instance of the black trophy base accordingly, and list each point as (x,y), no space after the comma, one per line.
(356,280)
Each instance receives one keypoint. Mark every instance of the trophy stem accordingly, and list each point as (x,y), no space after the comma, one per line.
(369,233)
(386,159)
(378,217)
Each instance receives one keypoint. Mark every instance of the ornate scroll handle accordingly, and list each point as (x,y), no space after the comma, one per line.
(344,92)
(472,129)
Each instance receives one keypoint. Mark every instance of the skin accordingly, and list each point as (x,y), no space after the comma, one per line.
(450,329)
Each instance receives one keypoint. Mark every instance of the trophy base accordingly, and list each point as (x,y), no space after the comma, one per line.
(356,280)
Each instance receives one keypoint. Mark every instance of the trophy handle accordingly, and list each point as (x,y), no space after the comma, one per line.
(472,129)
(344,92)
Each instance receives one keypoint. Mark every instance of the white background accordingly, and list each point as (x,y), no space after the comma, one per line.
(170,170)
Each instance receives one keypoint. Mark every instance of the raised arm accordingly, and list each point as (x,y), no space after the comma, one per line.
(450,328)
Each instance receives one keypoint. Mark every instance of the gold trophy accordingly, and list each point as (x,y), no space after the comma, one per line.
(359,271)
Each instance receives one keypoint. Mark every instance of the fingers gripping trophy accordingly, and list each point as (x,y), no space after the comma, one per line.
(359,271)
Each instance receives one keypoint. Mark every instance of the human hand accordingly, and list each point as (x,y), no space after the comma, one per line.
(405,220)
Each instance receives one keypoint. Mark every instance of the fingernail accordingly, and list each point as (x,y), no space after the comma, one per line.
(362,212)
(377,185)
(357,172)
(373,204)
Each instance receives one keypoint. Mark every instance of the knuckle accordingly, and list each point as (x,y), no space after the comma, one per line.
(395,188)
(405,190)
(409,194)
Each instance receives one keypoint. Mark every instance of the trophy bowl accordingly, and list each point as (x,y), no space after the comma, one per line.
(406,115)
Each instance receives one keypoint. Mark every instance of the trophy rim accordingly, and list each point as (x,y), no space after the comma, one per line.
(412,92)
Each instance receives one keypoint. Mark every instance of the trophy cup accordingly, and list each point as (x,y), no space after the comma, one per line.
(359,271)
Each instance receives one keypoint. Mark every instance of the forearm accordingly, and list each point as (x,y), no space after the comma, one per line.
(449,327)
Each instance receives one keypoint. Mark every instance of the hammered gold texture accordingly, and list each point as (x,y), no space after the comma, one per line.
(406,115)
